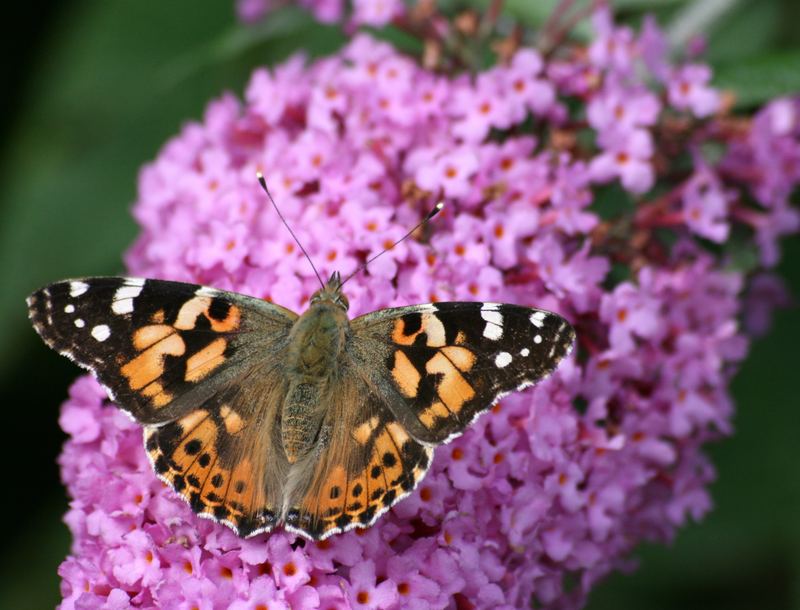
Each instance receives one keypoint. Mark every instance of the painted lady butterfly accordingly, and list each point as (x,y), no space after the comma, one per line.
(260,417)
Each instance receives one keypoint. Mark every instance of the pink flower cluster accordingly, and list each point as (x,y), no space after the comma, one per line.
(553,488)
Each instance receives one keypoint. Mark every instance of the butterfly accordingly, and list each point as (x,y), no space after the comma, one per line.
(258,417)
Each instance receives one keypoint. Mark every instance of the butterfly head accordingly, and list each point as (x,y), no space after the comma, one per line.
(332,293)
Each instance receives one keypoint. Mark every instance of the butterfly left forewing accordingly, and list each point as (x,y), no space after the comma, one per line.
(159,347)
(438,366)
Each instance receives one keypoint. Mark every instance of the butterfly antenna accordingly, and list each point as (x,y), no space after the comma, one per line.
(263,184)
(436,209)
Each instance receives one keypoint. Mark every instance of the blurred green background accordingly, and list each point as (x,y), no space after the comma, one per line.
(93,89)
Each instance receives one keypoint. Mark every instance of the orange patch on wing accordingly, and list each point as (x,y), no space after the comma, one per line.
(398,433)
(436,411)
(200,436)
(463,358)
(391,467)
(243,488)
(189,421)
(156,392)
(149,364)
(233,421)
(146,336)
(405,375)
(358,489)
(460,337)
(331,500)
(434,329)
(453,389)
(364,431)
(231,321)
(190,311)
(216,482)
(200,306)
(431,325)
(399,336)
(204,362)
(157,317)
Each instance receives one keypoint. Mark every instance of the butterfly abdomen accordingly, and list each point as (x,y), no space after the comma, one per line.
(316,342)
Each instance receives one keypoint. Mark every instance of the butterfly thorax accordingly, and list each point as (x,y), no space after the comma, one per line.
(315,342)
(315,345)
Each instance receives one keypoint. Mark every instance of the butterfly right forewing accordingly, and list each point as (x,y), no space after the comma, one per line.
(440,365)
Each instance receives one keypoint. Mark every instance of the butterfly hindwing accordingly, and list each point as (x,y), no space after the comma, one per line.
(225,456)
(445,363)
(366,462)
(160,347)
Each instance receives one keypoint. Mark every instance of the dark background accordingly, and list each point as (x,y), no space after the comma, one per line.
(93,89)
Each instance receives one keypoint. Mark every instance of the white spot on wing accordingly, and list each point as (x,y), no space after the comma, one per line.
(122,306)
(493,332)
(135,281)
(80,323)
(490,315)
(76,289)
(490,307)
(101,332)
(524,352)
(537,339)
(123,297)
(127,292)
(206,291)
(537,318)
(494,324)
(502,360)
(69,308)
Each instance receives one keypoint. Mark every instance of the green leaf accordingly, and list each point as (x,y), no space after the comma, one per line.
(757,80)
(275,36)
(695,19)
(744,32)
(612,201)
